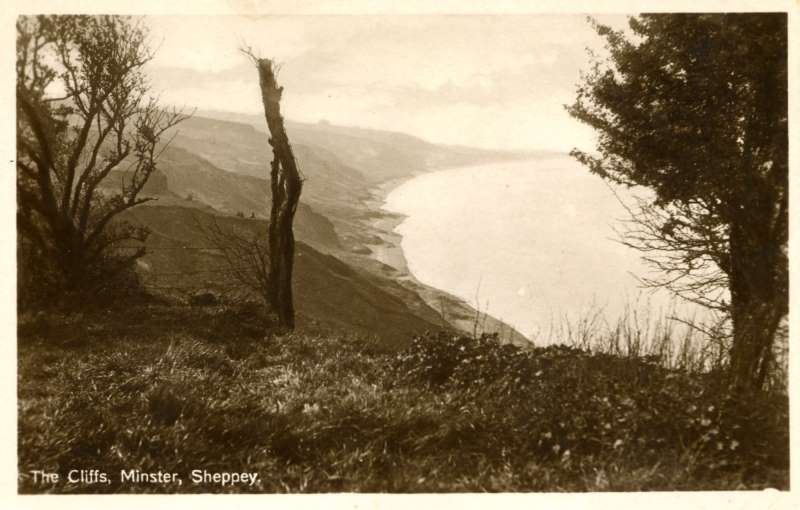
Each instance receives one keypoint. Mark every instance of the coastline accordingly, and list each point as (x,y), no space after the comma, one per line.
(384,224)
(388,253)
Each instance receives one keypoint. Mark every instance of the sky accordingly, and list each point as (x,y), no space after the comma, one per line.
(492,81)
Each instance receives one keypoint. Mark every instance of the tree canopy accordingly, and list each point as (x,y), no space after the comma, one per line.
(695,108)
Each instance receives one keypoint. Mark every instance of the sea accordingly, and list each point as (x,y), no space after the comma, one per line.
(531,242)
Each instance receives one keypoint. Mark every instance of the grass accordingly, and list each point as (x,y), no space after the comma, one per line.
(176,388)
(664,337)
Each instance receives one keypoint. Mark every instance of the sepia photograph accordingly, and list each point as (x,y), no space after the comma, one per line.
(402,253)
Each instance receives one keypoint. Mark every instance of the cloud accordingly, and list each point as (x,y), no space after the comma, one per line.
(491,81)
(211,43)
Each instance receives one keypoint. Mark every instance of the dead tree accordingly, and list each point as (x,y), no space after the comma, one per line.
(286,185)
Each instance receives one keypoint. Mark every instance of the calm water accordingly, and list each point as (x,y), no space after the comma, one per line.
(531,241)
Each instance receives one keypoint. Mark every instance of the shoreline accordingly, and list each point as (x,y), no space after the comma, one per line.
(383,224)
(457,312)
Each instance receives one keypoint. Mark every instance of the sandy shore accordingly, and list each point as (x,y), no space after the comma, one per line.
(382,224)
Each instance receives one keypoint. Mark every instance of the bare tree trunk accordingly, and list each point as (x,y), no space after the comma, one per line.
(286,186)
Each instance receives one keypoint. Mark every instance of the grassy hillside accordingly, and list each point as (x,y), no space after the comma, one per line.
(164,387)
(185,179)
(181,261)
(242,150)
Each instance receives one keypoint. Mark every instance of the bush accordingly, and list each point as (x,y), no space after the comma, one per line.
(111,278)
(574,403)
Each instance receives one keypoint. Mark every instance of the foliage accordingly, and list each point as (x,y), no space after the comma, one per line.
(694,108)
(83,112)
(317,411)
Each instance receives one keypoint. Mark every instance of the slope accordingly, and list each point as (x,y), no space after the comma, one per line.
(181,260)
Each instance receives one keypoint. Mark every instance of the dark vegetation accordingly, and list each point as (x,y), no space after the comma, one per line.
(694,107)
(69,244)
(170,387)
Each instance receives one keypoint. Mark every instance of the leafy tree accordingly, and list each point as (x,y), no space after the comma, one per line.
(84,115)
(695,108)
